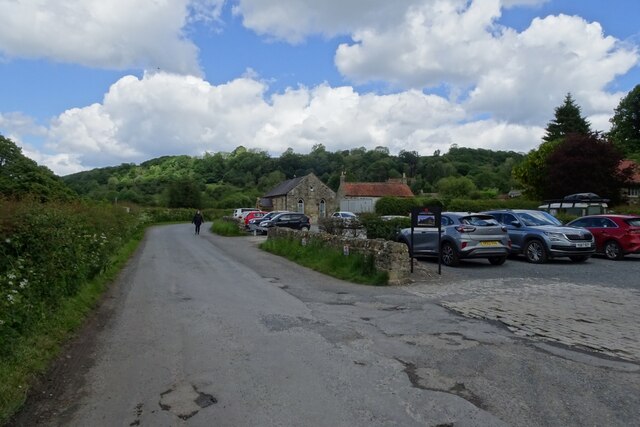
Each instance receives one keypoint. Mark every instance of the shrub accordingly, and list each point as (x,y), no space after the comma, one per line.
(395,205)
(227,227)
(338,226)
(466,205)
(377,228)
(154,215)
(47,252)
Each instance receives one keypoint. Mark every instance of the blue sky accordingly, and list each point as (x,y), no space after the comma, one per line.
(92,83)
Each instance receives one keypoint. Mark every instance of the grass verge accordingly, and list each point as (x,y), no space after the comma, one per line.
(354,267)
(34,353)
(227,228)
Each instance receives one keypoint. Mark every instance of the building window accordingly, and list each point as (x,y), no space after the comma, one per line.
(301,205)
(322,210)
(634,191)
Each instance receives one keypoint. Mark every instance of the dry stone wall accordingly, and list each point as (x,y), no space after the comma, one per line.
(390,257)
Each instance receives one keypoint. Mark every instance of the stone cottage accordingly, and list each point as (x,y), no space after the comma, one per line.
(302,194)
(358,197)
(631,190)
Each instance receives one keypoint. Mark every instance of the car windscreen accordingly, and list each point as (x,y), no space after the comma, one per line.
(634,222)
(535,218)
(479,220)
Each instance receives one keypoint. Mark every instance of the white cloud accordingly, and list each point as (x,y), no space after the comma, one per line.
(555,55)
(437,42)
(512,79)
(517,77)
(514,3)
(106,34)
(294,20)
(17,123)
(166,114)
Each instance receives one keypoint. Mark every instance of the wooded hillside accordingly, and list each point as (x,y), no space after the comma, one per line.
(235,179)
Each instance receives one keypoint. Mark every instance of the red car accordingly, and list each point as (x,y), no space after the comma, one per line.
(615,235)
(251,215)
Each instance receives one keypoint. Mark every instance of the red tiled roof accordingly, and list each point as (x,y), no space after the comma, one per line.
(635,177)
(376,189)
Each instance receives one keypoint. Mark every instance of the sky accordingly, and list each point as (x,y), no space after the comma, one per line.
(95,83)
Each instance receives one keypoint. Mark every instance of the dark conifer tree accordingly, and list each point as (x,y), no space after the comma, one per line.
(567,120)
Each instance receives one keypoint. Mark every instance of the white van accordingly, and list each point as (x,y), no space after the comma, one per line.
(241,212)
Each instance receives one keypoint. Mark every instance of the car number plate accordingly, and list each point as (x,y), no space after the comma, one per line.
(583,245)
(490,243)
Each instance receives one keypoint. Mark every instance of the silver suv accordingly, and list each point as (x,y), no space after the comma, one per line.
(540,236)
(464,235)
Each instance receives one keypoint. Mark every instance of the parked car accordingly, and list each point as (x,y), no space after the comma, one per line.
(254,223)
(540,236)
(296,220)
(238,213)
(615,235)
(258,215)
(464,235)
(344,215)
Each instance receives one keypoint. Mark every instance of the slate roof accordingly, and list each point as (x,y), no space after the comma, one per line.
(376,189)
(284,187)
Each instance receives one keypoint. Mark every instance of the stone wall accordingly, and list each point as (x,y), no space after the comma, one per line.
(391,257)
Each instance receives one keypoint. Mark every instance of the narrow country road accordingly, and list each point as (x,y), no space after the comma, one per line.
(212,331)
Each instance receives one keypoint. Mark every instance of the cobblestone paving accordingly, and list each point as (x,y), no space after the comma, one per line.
(598,318)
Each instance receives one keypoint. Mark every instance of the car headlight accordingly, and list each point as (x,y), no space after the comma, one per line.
(555,236)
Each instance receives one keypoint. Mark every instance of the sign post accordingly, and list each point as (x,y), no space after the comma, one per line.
(426,217)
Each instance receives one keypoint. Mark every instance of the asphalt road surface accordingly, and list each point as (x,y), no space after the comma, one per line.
(212,331)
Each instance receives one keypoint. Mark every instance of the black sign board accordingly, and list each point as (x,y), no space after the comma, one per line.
(426,217)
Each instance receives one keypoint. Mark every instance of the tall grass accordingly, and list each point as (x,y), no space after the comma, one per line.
(354,267)
(227,228)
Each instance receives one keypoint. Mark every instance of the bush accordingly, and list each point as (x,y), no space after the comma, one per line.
(377,228)
(338,226)
(395,205)
(47,252)
(626,209)
(227,227)
(466,205)
(154,215)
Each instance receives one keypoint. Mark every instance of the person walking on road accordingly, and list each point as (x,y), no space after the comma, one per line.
(197,220)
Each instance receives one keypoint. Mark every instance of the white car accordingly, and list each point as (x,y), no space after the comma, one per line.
(344,215)
(241,212)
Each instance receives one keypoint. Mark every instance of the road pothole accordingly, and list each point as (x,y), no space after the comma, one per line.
(185,401)
(432,379)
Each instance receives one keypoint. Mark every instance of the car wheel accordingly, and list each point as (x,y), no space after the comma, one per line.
(449,255)
(497,260)
(612,250)
(579,258)
(535,252)
(305,228)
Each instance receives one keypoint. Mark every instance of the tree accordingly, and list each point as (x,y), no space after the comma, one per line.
(585,164)
(184,193)
(21,176)
(567,120)
(532,172)
(455,187)
(625,124)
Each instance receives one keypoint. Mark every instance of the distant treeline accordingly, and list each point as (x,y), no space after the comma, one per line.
(224,180)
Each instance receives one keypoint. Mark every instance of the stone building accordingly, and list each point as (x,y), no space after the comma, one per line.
(631,190)
(358,197)
(303,194)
